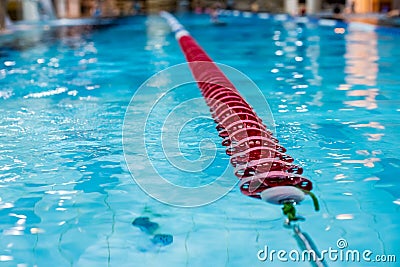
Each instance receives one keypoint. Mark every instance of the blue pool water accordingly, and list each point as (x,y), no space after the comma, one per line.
(67,197)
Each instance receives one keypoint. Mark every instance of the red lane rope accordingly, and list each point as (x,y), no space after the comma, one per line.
(260,162)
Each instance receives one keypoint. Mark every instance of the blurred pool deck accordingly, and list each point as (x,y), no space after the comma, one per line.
(381,19)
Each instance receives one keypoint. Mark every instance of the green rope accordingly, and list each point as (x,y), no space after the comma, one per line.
(290,211)
(313,197)
(289,208)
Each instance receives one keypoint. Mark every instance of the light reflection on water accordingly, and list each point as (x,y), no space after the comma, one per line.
(343,134)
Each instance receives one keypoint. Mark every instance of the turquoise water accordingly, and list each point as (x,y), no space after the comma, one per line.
(67,197)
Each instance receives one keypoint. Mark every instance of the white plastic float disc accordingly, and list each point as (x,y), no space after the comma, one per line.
(276,195)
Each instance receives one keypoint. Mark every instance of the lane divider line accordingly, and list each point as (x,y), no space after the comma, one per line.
(260,162)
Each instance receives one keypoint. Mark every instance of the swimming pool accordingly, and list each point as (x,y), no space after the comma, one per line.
(68,198)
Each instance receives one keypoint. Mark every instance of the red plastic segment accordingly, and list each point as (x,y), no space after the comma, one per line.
(266,165)
(254,185)
(253,141)
(246,133)
(257,153)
